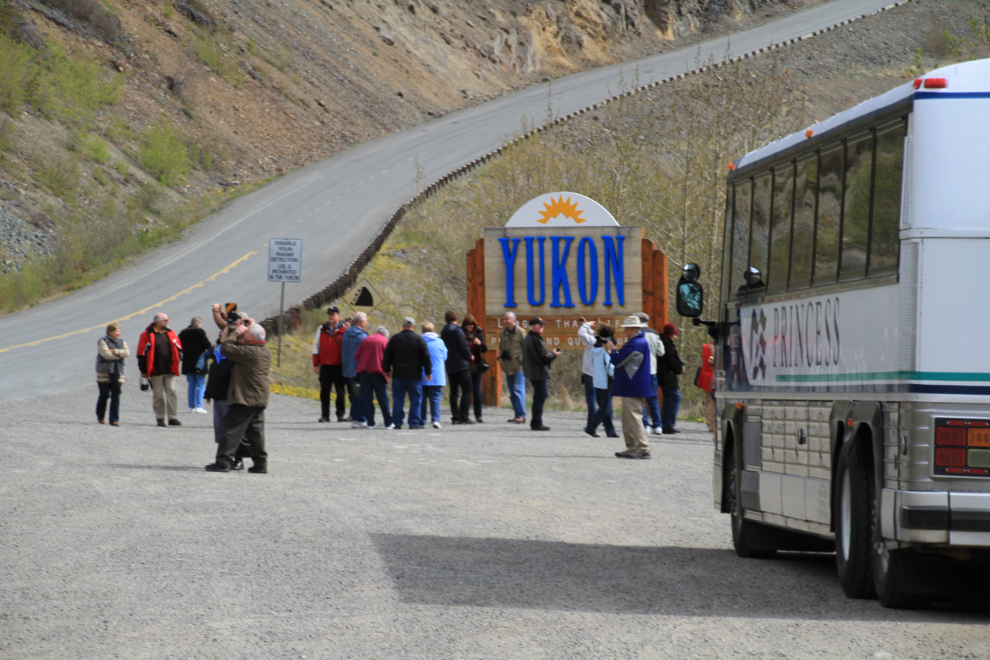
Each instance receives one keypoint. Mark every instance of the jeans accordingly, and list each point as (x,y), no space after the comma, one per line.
(671,404)
(476,394)
(517,393)
(414,388)
(603,415)
(589,398)
(109,391)
(653,405)
(373,385)
(433,394)
(539,398)
(459,381)
(197,387)
(331,378)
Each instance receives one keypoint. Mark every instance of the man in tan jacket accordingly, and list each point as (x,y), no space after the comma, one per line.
(247,396)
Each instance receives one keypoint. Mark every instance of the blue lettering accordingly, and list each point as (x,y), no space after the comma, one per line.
(583,288)
(614,265)
(509,253)
(530,294)
(558,274)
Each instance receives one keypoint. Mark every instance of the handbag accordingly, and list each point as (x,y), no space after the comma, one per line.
(697,378)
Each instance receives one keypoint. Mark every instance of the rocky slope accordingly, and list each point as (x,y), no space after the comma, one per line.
(254,89)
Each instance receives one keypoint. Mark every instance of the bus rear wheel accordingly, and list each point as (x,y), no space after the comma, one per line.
(745,534)
(890,568)
(855,509)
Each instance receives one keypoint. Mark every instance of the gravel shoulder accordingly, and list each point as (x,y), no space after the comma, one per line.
(487,541)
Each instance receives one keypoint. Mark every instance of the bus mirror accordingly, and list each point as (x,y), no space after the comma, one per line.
(690,294)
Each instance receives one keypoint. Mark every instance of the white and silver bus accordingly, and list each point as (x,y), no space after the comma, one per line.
(853,341)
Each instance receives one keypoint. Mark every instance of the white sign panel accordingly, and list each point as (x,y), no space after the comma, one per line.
(562,209)
(285,260)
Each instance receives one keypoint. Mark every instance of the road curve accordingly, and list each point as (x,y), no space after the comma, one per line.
(336,207)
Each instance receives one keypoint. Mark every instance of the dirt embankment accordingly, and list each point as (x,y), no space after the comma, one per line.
(254,89)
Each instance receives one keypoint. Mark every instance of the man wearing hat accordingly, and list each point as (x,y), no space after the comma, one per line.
(408,358)
(536,367)
(327,363)
(632,383)
(668,368)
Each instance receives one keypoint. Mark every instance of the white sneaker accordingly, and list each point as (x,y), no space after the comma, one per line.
(359,425)
(390,427)
(436,425)
(192,410)
(201,411)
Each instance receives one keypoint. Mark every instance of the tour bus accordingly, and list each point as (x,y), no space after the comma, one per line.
(853,342)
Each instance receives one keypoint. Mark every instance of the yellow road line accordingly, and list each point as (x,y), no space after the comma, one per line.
(211,278)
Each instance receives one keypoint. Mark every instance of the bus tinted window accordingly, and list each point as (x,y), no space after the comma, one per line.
(759,240)
(740,234)
(802,246)
(780,227)
(829,216)
(884,240)
(856,207)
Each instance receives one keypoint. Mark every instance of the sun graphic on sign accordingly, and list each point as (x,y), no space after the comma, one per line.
(560,207)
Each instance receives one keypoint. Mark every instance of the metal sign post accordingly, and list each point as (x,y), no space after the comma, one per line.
(284,265)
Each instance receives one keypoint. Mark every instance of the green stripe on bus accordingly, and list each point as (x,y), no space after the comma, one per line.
(957,376)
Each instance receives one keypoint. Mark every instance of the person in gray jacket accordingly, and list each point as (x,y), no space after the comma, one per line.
(510,358)
(536,366)
(110,353)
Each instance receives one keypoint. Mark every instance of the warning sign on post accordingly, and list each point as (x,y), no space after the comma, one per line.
(285,260)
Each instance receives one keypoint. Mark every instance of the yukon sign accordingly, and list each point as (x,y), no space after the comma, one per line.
(815,343)
(563,254)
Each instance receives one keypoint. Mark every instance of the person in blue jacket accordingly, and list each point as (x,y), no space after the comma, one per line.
(632,383)
(353,337)
(433,389)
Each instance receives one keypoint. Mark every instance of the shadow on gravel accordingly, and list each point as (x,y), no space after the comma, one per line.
(175,468)
(434,570)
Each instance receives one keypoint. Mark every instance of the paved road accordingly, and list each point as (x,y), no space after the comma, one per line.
(335,206)
(484,542)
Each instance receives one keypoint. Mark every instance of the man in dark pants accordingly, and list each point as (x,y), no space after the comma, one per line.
(536,366)
(458,369)
(668,368)
(407,358)
(327,364)
(247,396)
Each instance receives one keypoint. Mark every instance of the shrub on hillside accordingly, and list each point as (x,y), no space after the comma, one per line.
(93,15)
(15,70)
(71,89)
(164,154)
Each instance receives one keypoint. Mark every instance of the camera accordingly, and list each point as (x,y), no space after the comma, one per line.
(145,385)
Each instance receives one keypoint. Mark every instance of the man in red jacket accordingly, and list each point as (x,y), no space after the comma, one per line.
(159,361)
(326,364)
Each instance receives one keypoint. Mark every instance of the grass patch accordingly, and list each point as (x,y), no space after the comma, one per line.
(213,50)
(164,154)
(94,148)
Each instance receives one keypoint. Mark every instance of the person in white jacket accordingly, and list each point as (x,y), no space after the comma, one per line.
(586,335)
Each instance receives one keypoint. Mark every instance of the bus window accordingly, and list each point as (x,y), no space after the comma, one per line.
(740,234)
(780,227)
(856,206)
(759,240)
(829,216)
(884,238)
(803,244)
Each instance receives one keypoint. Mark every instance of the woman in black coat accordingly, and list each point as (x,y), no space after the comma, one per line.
(194,344)
(476,342)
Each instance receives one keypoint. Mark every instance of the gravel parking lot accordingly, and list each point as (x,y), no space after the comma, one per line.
(487,541)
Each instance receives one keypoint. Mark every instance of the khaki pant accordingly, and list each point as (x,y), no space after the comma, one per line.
(710,411)
(632,424)
(164,398)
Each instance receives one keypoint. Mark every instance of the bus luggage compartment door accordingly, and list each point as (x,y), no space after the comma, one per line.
(752,455)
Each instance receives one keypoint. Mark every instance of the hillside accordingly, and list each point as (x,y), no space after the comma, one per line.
(122,121)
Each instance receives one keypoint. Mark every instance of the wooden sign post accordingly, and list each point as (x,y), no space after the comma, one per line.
(561,269)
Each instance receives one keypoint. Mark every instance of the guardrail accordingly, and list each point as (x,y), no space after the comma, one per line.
(348,279)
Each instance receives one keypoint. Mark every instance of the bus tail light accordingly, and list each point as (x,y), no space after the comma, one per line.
(917,83)
(962,447)
(936,83)
(950,457)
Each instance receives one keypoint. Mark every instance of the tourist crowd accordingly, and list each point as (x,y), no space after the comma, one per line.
(356,366)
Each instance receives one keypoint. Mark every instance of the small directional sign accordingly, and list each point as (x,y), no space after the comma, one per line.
(363,297)
(285,260)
